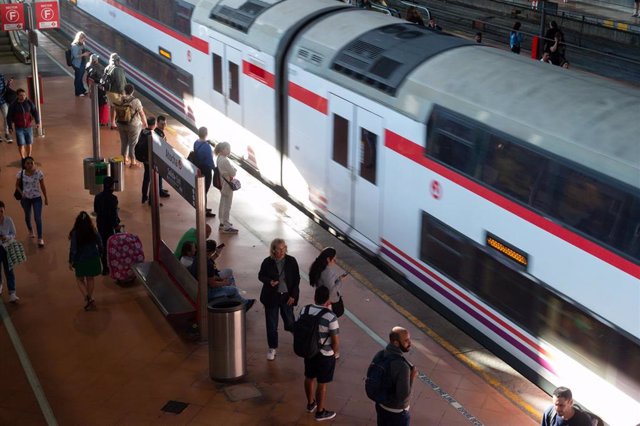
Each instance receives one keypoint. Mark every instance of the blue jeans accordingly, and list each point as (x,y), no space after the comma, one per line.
(387,418)
(11,278)
(24,136)
(271,317)
(225,291)
(78,85)
(36,203)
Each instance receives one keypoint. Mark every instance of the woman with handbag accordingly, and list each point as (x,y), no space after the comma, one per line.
(280,278)
(84,256)
(323,273)
(227,174)
(7,233)
(30,189)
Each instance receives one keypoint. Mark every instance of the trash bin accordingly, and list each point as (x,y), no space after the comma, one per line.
(117,172)
(227,339)
(88,171)
(97,172)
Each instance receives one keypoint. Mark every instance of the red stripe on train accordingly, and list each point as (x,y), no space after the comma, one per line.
(259,74)
(416,153)
(195,42)
(308,98)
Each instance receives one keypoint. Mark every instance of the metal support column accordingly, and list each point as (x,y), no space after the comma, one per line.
(203,287)
(95,129)
(33,43)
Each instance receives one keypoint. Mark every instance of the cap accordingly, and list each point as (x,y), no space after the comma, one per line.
(108,182)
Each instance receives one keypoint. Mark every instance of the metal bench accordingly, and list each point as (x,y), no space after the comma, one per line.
(170,285)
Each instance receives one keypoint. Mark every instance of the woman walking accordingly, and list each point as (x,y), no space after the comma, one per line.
(280,277)
(7,232)
(227,173)
(323,273)
(84,256)
(30,183)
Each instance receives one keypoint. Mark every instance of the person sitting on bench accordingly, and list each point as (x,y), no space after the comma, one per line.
(221,283)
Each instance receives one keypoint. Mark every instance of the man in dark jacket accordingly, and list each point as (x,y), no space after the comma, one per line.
(22,114)
(401,374)
(105,204)
(563,412)
(280,277)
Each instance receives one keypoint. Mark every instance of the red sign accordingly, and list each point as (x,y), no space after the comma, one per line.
(12,17)
(47,15)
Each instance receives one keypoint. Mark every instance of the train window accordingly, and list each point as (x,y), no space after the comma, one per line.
(217,73)
(451,142)
(340,140)
(628,232)
(505,288)
(510,168)
(175,14)
(441,246)
(169,77)
(368,149)
(234,82)
(585,204)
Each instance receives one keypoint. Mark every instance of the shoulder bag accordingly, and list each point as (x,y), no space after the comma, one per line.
(338,307)
(18,194)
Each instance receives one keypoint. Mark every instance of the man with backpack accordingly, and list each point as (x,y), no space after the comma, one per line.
(142,155)
(315,337)
(389,380)
(129,116)
(20,119)
(564,412)
(113,81)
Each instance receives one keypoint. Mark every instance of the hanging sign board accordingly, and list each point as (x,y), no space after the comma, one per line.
(12,17)
(175,169)
(47,15)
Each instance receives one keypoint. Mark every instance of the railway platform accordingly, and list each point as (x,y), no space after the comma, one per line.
(124,362)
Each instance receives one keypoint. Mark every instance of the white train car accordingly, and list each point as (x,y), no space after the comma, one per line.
(505,190)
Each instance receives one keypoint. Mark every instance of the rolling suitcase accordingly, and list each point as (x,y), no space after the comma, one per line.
(123,251)
(104,118)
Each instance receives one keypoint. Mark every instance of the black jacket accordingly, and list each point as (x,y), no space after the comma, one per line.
(269,271)
(106,207)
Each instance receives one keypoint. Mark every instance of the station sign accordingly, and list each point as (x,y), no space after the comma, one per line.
(47,15)
(175,169)
(12,17)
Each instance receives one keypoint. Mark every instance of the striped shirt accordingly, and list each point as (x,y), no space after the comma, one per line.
(328,327)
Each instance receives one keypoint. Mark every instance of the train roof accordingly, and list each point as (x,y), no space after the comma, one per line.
(260,24)
(589,120)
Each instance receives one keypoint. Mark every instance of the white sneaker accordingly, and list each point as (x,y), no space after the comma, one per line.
(13,298)
(271,354)
(229,231)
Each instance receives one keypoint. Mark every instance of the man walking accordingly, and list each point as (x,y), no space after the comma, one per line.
(22,114)
(105,204)
(318,371)
(400,373)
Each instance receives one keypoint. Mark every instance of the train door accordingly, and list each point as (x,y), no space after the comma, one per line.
(353,194)
(227,67)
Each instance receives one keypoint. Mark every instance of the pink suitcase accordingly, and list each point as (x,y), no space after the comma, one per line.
(123,251)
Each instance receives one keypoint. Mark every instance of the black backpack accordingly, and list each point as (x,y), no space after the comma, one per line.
(105,80)
(68,57)
(550,416)
(306,333)
(378,384)
(217,178)
(141,150)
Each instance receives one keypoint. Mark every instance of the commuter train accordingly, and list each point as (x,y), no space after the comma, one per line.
(507,191)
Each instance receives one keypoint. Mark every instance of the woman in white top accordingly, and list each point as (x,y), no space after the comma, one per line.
(7,232)
(30,183)
(323,273)
(227,173)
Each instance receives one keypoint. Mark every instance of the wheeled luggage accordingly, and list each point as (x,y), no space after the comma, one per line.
(104,118)
(123,251)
